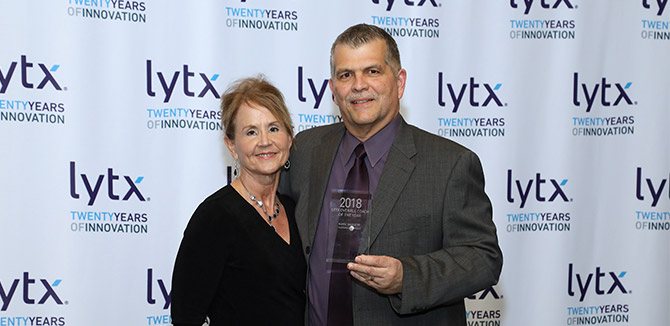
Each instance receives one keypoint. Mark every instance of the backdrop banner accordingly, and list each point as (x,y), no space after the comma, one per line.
(110,136)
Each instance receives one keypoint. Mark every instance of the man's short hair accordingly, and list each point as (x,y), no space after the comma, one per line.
(361,34)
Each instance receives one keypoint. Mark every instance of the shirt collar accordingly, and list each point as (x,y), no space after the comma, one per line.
(375,147)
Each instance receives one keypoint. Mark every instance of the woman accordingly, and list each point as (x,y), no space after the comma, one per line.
(240,261)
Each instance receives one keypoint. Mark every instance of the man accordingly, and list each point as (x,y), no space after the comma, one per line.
(432,240)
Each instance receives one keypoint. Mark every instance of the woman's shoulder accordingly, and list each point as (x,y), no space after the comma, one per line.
(220,203)
(220,196)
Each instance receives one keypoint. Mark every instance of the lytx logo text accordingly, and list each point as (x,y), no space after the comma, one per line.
(457,93)
(28,75)
(417,3)
(165,293)
(543,3)
(168,87)
(661,5)
(316,94)
(654,190)
(7,291)
(525,189)
(591,92)
(93,185)
(489,291)
(601,286)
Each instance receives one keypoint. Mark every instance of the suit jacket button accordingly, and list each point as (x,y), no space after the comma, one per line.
(308,250)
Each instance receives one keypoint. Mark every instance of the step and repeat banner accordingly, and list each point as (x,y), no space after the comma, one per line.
(110,136)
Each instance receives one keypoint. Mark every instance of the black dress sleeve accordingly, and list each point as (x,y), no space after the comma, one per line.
(199,264)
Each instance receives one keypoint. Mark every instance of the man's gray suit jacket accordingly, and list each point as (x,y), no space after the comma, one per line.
(429,210)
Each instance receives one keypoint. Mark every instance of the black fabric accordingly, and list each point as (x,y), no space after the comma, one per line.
(234,268)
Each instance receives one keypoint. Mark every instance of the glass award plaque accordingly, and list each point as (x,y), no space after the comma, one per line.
(348,231)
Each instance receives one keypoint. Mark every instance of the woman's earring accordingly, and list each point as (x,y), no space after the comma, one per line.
(287,164)
(236,170)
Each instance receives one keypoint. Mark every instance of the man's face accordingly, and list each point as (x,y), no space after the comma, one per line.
(365,88)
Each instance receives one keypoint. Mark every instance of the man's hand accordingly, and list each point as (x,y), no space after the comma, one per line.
(382,273)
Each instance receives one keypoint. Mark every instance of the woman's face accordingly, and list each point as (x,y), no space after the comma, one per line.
(261,143)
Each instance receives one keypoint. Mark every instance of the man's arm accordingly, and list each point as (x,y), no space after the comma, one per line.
(469,261)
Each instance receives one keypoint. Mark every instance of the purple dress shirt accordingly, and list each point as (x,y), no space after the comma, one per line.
(377,148)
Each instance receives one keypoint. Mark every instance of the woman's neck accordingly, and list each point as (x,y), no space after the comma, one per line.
(263,188)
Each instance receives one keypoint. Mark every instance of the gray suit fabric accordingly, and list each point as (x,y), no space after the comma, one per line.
(429,210)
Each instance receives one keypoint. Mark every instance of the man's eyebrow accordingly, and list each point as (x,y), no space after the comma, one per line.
(374,66)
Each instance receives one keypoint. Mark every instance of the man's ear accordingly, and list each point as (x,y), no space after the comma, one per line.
(400,82)
(332,91)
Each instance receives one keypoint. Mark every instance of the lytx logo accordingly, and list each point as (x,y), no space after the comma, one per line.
(457,93)
(655,191)
(490,291)
(419,3)
(661,5)
(591,93)
(524,189)
(165,293)
(168,87)
(27,73)
(93,186)
(543,3)
(584,283)
(317,94)
(7,291)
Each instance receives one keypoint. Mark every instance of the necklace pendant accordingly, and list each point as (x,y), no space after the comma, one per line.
(259,203)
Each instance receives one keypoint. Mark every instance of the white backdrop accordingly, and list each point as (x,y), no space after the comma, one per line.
(110,137)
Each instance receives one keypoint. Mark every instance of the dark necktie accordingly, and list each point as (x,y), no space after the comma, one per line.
(340,310)
(357,179)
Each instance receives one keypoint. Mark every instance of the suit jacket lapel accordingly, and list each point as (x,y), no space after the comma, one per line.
(322,158)
(396,173)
